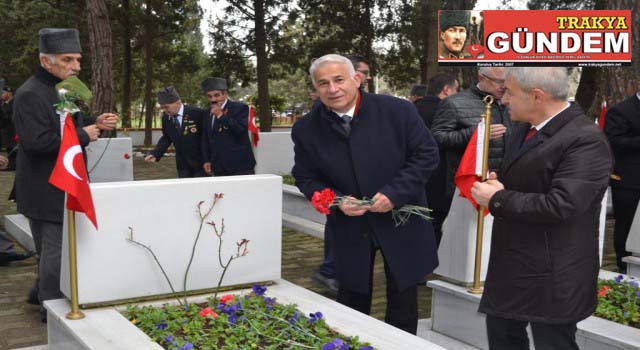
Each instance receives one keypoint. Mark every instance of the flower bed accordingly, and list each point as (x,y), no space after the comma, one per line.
(252,321)
(619,301)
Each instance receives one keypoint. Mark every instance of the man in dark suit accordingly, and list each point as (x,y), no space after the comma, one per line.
(622,128)
(7,128)
(543,267)
(440,86)
(226,145)
(182,126)
(375,146)
(38,127)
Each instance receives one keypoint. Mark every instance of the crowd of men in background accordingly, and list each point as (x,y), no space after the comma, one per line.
(546,188)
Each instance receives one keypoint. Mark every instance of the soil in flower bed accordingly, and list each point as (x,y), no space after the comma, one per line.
(252,321)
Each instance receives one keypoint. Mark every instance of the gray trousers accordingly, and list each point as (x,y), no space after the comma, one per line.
(47,237)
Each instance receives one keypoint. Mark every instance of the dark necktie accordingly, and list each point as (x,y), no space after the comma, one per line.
(176,121)
(530,134)
(346,123)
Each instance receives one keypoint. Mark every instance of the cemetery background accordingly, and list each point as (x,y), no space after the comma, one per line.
(20,325)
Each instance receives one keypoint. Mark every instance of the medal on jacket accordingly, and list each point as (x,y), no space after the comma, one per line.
(220,126)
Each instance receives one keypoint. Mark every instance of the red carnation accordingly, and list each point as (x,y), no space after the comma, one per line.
(208,312)
(127,156)
(16,138)
(603,291)
(226,298)
(323,200)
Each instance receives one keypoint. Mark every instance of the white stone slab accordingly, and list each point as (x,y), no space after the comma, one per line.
(106,329)
(137,136)
(425,332)
(274,154)
(454,314)
(633,240)
(17,225)
(106,160)
(457,249)
(603,223)
(163,215)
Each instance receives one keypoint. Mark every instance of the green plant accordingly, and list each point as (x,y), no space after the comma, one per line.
(619,301)
(288,179)
(251,321)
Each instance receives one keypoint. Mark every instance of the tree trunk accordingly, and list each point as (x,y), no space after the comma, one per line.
(369,35)
(101,56)
(262,66)
(430,36)
(126,69)
(148,62)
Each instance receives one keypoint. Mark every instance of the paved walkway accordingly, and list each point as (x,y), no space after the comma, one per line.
(19,322)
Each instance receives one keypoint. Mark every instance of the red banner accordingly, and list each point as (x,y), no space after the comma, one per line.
(498,38)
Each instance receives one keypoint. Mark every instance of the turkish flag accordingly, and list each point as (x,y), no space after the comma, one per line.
(253,129)
(470,168)
(70,173)
(603,114)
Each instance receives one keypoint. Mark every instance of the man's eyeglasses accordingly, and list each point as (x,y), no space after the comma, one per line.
(497,81)
(365,72)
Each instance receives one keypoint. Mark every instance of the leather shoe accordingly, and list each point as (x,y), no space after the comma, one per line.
(32,298)
(330,283)
(7,257)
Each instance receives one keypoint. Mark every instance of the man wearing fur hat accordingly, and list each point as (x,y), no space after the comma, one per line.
(453,34)
(226,146)
(38,127)
(182,126)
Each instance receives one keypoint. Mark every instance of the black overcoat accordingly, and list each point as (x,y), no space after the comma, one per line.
(187,140)
(226,141)
(544,262)
(38,128)
(622,126)
(389,150)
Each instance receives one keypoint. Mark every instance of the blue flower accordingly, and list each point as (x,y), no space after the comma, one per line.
(619,278)
(233,318)
(633,284)
(169,339)
(315,317)
(162,326)
(187,346)
(336,344)
(294,318)
(258,289)
(638,295)
(368,347)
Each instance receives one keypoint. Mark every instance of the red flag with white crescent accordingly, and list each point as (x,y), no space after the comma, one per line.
(253,128)
(470,168)
(70,173)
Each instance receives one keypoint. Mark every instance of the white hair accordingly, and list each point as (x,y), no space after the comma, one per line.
(552,80)
(331,58)
(49,56)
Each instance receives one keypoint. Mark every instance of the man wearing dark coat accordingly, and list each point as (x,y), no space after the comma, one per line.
(622,128)
(367,145)
(543,267)
(182,126)
(38,127)
(440,86)
(226,146)
(7,128)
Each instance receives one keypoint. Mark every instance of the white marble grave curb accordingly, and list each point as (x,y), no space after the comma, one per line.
(107,329)
(455,314)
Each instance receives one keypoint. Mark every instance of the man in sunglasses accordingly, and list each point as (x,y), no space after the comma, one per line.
(226,147)
(458,116)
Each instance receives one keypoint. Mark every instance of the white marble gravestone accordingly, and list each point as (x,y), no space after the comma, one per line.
(633,246)
(163,216)
(457,249)
(110,159)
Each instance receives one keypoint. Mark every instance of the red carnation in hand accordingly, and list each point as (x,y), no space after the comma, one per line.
(323,200)
(226,298)
(16,138)
(208,312)
(127,156)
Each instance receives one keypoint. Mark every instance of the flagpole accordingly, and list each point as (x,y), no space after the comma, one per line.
(476,289)
(75,313)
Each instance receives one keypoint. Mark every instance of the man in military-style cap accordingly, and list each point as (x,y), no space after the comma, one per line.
(38,127)
(182,126)
(226,146)
(454,26)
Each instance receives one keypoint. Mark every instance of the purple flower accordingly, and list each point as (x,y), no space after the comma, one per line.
(336,344)
(233,318)
(368,347)
(294,318)
(619,278)
(162,326)
(315,317)
(169,339)
(187,346)
(633,284)
(638,295)
(258,289)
